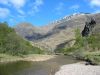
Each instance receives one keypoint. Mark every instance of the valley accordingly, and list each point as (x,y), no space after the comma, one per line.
(72,40)
(52,35)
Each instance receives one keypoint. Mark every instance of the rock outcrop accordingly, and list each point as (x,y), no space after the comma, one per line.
(59,32)
(88,27)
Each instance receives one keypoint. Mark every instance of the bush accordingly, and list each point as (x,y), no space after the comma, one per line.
(13,44)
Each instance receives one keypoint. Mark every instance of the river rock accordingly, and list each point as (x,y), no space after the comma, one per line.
(79,69)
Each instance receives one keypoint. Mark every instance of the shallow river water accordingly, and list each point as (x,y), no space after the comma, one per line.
(35,68)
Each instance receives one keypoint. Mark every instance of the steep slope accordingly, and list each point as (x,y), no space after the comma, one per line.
(61,31)
(13,44)
(29,31)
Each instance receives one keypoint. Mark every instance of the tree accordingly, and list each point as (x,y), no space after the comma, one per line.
(13,44)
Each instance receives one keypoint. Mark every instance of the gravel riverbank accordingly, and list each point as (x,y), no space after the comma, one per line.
(79,69)
(4,58)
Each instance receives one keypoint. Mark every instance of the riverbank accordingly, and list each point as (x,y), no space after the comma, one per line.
(79,69)
(4,58)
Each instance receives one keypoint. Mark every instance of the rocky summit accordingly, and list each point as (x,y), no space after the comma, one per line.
(59,33)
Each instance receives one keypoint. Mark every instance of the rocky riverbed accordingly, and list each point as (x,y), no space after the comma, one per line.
(79,69)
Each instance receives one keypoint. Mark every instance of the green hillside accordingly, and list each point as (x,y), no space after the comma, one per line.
(85,48)
(13,44)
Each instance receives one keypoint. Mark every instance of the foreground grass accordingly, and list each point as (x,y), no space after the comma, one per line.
(5,58)
(94,57)
(9,58)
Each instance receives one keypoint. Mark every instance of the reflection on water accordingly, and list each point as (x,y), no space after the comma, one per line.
(35,68)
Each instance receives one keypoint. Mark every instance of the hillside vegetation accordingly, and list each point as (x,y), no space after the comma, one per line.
(52,36)
(11,43)
(85,48)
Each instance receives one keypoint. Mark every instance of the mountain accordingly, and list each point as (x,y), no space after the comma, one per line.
(58,33)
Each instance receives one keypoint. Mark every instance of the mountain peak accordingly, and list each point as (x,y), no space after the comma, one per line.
(24,24)
(58,32)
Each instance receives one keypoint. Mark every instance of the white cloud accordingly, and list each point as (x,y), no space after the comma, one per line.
(4,12)
(75,7)
(95,3)
(21,12)
(15,3)
(18,3)
(35,6)
(4,1)
(59,8)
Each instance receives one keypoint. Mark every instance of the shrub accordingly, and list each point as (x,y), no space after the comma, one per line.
(13,44)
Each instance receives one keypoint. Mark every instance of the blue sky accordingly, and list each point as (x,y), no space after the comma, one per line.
(42,12)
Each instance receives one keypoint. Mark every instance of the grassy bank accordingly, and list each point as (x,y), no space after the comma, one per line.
(9,58)
(5,58)
(93,57)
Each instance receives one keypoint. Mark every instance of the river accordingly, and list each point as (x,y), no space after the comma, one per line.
(48,67)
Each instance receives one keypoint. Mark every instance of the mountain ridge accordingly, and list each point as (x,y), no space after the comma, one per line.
(57,32)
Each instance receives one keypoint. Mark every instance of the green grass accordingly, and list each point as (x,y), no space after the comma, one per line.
(5,58)
(94,57)
(9,58)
